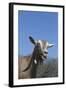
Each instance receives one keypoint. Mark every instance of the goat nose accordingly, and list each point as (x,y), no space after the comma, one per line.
(46,51)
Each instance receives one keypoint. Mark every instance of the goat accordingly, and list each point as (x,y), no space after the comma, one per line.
(28,64)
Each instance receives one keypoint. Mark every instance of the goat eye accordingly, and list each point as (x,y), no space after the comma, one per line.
(46,52)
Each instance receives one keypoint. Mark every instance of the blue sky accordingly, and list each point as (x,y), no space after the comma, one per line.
(39,25)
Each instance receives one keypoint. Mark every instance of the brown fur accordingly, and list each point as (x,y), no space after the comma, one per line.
(23,63)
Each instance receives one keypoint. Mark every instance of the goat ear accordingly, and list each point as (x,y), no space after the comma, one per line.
(32,40)
(50,45)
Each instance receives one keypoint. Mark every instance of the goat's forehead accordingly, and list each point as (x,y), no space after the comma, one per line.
(43,43)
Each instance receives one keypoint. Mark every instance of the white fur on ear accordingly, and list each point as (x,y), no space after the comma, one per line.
(35,61)
(50,45)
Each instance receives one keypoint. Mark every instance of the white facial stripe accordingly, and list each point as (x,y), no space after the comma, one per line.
(40,43)
(47,43)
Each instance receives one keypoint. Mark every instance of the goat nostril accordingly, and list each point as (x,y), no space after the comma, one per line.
(46,52)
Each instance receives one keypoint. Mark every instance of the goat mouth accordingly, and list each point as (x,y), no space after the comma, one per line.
(45,57)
